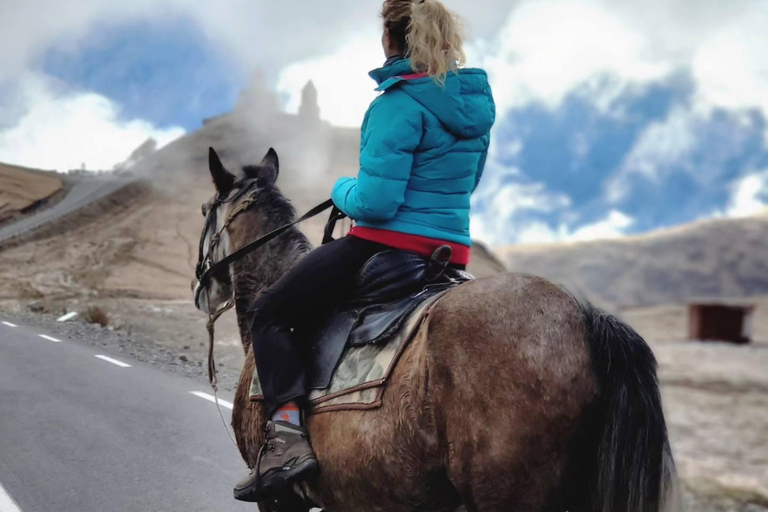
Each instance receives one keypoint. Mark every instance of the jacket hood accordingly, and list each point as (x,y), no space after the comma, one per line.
(464,105)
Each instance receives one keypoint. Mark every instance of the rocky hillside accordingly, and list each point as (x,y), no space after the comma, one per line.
(714,258)
(145,245)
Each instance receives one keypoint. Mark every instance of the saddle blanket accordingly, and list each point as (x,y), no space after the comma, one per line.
(361,375)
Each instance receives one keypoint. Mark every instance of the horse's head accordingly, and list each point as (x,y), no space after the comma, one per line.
(223,216)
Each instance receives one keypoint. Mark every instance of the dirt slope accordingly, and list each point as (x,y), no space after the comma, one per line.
(21,188)
(145,245)
(714,258)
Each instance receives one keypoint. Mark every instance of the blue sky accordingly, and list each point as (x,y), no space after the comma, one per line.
(576,152)
(614,118)
(165,72)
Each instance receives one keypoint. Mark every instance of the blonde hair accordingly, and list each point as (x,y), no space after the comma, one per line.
(431,35)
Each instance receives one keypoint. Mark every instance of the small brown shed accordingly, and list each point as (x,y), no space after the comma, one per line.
(720,321)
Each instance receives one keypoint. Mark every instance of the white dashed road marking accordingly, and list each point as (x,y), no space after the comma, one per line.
(6,502)
(211,398)
(114,361)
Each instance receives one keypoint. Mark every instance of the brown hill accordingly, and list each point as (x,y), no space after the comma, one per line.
(22,188)
(145,244)
(714,258)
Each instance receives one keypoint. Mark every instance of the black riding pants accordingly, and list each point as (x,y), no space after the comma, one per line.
(296,303)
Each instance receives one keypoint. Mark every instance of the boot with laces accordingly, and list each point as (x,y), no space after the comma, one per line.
(286,458)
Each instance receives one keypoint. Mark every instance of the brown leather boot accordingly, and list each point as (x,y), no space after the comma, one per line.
(286,458)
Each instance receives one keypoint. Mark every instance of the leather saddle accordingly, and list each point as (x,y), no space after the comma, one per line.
(390,286)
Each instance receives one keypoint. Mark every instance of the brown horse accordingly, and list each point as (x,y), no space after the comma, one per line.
(513,397)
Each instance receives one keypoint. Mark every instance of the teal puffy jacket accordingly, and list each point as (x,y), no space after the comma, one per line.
(422,154)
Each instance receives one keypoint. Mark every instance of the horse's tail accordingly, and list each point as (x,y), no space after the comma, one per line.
(632,469)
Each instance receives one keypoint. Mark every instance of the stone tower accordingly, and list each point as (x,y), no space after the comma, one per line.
(309,110)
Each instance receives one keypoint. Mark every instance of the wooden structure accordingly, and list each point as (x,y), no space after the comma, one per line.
(720,321)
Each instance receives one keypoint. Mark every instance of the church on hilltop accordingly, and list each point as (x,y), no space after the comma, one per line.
(258,101)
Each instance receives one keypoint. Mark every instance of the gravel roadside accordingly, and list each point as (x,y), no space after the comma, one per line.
(136,347)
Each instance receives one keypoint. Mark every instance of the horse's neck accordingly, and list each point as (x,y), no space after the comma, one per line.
(260,270)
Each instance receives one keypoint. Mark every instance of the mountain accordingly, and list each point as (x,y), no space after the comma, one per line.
(721,258)
(143,243)
(21,189)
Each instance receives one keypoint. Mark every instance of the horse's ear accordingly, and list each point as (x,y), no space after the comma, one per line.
(222,178)
(269,168)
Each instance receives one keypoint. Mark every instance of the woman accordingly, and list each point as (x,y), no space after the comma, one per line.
(424,144)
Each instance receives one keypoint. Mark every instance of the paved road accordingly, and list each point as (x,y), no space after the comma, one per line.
(82,193)
(81,433)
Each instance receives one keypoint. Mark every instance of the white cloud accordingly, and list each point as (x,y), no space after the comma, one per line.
(615,225)
(63,129)
(549,48)
(534,49)
(731,65)
(504,203)
(663,146)
(536,232)
(344,88)
(255,33)
(663,143)
(612,226)
(678,144)
(750,195)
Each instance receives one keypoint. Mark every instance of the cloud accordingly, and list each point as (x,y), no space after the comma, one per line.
(731,65)
(614,225)
(750,195)
(530,230)
(341,76)
(648,111)
(663,163)
(257,33)
(586,145)
(344,88)
(547,49)
(663,145)
(62,129)
(506,206)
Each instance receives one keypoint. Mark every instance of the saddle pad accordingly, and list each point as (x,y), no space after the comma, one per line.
(365,325)
(361,375)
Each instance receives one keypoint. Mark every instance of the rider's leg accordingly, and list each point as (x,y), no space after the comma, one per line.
(308,292)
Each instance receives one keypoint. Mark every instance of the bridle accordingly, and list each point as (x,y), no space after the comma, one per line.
(205,258)
(206,268)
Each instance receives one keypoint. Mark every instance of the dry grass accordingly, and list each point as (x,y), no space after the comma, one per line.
(21,187)
(96,315)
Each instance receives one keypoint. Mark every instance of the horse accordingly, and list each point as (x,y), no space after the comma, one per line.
(516,397)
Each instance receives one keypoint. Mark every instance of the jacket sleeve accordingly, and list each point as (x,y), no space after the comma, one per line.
(393,132)
(480,169)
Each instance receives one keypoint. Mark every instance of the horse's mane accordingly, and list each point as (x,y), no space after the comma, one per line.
(276,210)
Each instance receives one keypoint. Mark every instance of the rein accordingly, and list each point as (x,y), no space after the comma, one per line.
(206,268)
(260,242)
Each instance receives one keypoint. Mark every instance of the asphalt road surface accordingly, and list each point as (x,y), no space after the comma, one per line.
(85,431)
